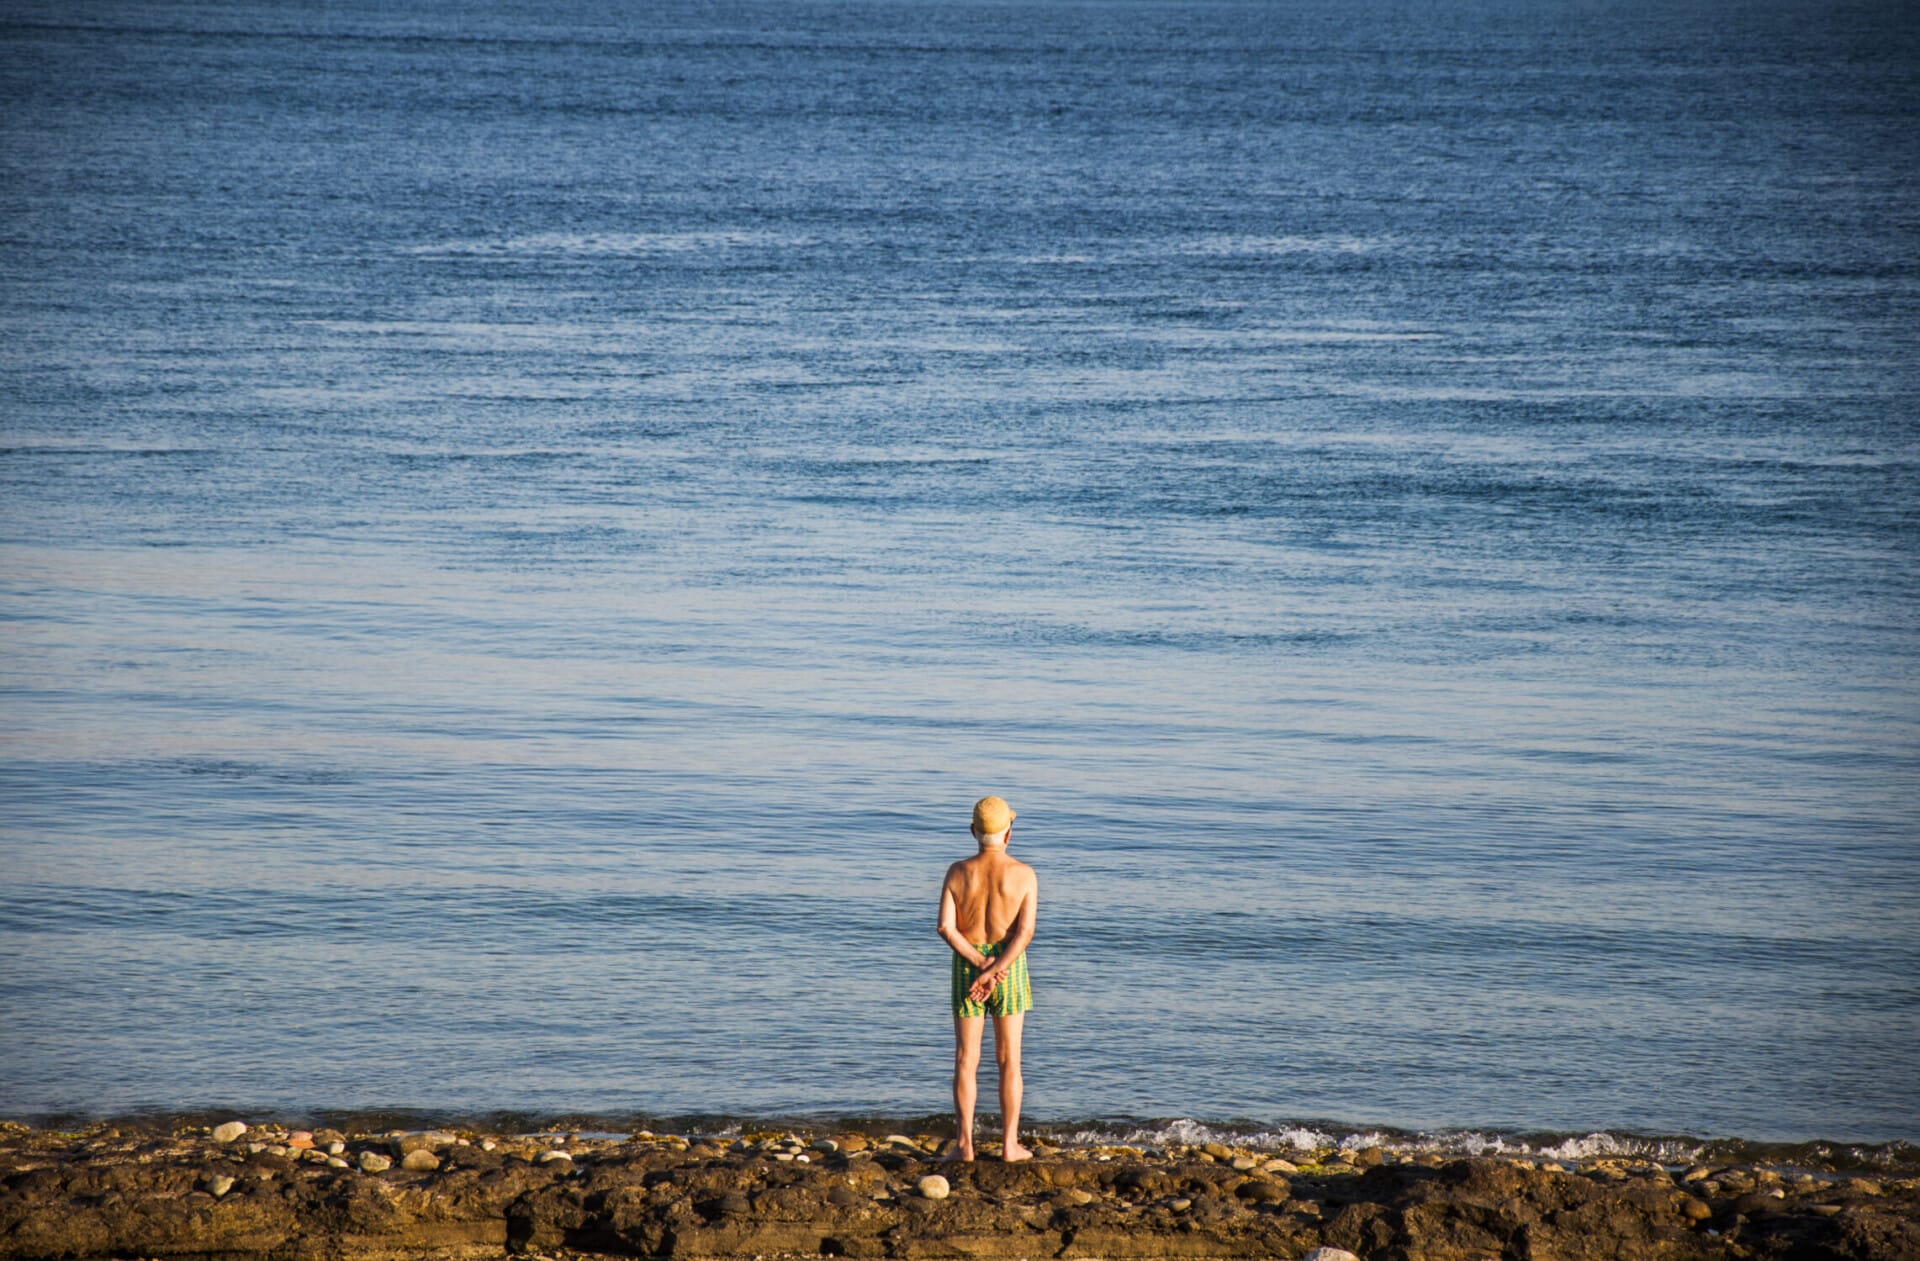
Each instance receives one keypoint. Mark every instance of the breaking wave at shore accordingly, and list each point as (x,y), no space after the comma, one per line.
(1893,1156)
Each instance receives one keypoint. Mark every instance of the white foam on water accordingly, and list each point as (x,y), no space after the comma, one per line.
(1191,1133)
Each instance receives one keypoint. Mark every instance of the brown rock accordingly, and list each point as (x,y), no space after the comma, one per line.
(1262,1191)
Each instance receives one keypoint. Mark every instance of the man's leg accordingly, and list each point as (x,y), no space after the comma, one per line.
(966,1063)
(1006,1049)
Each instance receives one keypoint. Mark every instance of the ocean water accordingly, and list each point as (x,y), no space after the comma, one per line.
(525,528)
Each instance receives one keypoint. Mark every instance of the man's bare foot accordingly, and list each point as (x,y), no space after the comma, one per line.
(959,1153)
(1011,1151)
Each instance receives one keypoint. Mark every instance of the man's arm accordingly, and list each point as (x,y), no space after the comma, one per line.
(1017,941)
(949,928)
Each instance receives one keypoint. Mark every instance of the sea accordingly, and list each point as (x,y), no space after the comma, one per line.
(525,528)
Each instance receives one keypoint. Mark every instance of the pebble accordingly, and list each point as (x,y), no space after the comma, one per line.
(374,1162)
(826,1145)
(933,1186)
(1696,1210)
(487,1144)
(228,1132)
(420,1160)
(1080,1197)
(555,1156)
(220,1184)
(1329,1254)
(300,1140)
(334,1162)
(336,1147)
(1181,1205)
(1244,1163)
(1698,1173)
(901,1140)
(1280,1166)
(786,1157)
(1219,1151)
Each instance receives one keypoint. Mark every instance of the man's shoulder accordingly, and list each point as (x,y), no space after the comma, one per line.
(1022,870)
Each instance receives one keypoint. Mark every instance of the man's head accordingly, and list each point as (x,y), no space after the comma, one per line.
(992,818)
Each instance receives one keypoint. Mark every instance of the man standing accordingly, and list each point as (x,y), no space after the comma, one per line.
(987,905)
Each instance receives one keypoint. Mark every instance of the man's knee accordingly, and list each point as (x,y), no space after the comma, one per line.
(1008,1058)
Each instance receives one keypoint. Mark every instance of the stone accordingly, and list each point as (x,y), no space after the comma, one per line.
(1243,1163)
(421,1140)
(420,1160)
(901,1140)
(1219,1151)
(555,1156)
(334,1162)
(1329,1254)
(1277,1165)
(1181,1205)
(374,1162)
(826,1145)
(300,1140)
(228,1132)
(220,1184)
(1262,1192)
(335,1147)
(1077,1197)
(1369,1157)
(1699,1173)
(933,1187)
(487,1144)
(1695,1210)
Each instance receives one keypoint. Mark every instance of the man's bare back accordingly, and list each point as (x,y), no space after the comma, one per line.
(989,891)
(988,904)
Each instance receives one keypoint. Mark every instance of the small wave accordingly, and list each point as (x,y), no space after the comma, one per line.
(606,244)
(1239,246)
(1564,1146)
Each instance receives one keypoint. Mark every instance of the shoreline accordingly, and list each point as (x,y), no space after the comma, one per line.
(241,1190)
(1885,1156)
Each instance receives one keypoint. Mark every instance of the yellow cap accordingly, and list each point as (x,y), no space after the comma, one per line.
(990,815)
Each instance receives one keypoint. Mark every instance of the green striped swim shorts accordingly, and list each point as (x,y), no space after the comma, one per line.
(1013,994)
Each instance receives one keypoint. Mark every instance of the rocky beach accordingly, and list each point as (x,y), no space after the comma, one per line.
(237,1191)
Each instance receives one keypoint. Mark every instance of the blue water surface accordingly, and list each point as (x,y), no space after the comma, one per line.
(524,529)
